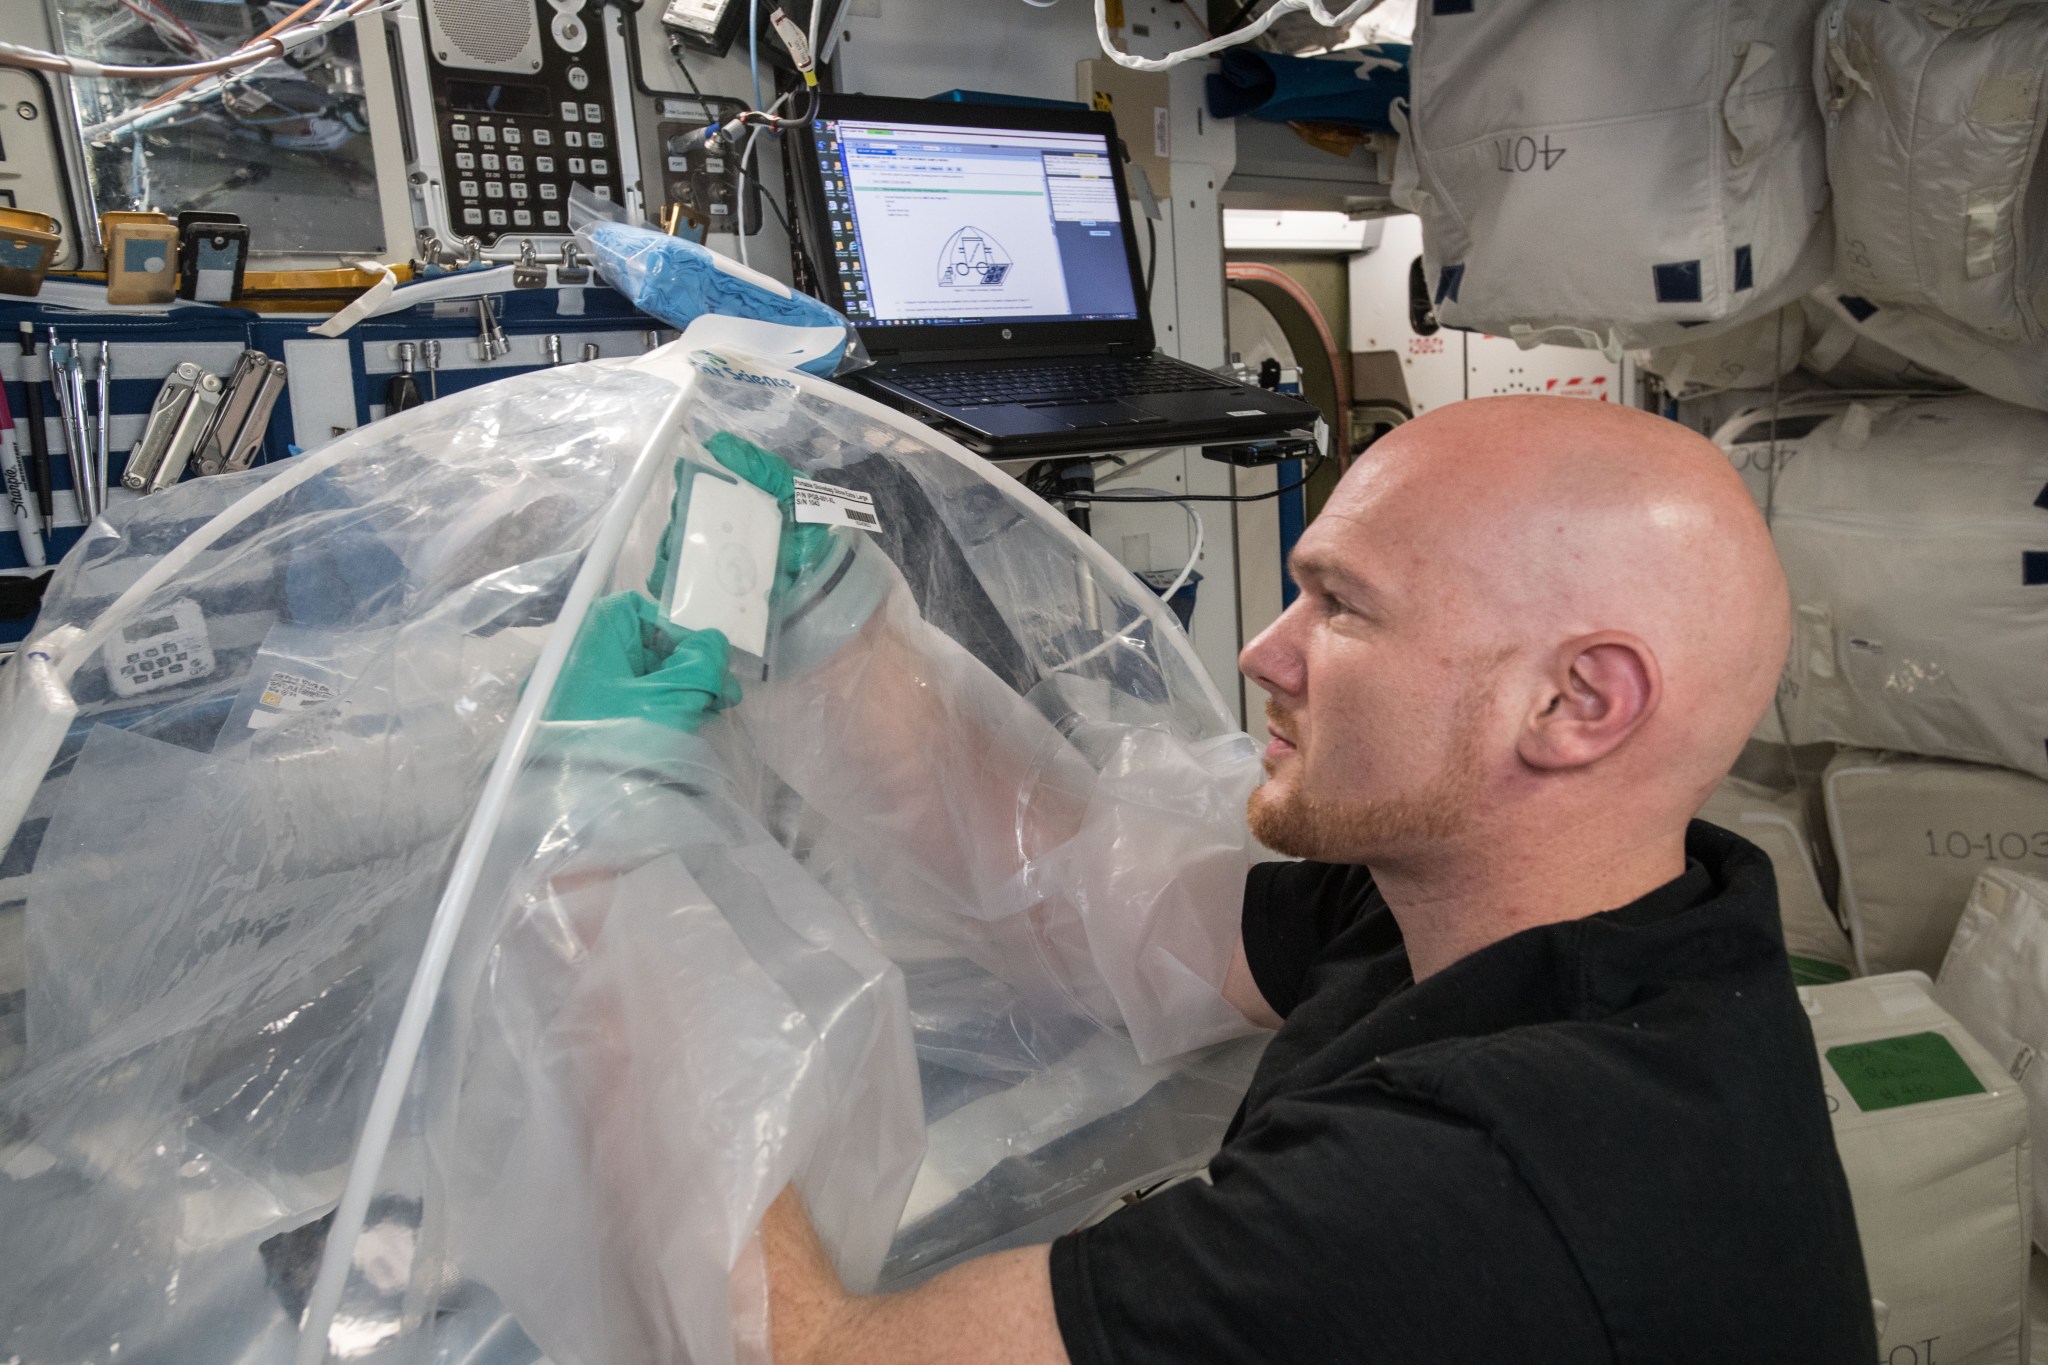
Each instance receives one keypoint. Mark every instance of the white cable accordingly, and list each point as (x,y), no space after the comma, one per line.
(16,54)
(1343,18)
(1187,571)
(392,1083)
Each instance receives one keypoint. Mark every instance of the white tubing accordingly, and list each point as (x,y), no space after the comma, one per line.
(378,1126)
(1233,39)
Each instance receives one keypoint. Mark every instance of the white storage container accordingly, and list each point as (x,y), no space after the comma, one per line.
(1819,950)
(1933,1137)
(1995,982)
(1935,114)
(1914,533)
(1910,836)
(1615,172)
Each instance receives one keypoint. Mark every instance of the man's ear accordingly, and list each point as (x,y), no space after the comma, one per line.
(1600,689)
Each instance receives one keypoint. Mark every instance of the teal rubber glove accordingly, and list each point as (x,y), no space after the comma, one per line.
(805,545)
(630,664)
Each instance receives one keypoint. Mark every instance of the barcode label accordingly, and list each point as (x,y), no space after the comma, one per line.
(826,504)
(285,693)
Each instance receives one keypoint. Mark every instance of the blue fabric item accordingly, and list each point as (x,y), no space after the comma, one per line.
(2034,568)
(1354,89)
(1745,275)
(1859,309)
(679,282)
(1677,282)
(1447,281)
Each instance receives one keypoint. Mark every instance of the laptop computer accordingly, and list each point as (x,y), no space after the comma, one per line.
(987,256)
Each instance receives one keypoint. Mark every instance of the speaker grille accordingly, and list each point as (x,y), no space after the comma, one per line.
(491,34)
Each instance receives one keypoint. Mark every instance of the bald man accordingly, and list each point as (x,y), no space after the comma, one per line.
(1541,1089)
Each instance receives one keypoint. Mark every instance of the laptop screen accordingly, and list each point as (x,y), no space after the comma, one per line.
(935,224)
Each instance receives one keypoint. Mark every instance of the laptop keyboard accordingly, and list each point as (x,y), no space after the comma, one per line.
(1065,382)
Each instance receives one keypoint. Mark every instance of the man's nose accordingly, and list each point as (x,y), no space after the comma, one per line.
(1273,658)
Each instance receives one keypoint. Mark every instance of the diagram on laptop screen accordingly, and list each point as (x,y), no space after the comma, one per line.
(973,259)
(926,205)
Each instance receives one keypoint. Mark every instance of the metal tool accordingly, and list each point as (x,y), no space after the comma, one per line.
(184,408)
(490,342)
(235,431)
(430,351)
(164,415)
(99,450)
(69,386)
(554,346)
(38,428)
(402,391)
(590,350)
(528,272)
(573,269)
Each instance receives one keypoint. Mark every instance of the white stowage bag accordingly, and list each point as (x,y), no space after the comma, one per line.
(1573,190)
(2011,371)
(1935,116)
(1932,1134)
(1914,534)
(368,1003)
(1772,821)
(1910,836)
(1995,982)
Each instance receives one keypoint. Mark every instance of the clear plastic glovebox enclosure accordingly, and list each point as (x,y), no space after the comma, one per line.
(365,1002)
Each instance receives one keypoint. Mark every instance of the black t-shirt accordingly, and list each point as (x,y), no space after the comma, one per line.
(1597,1141)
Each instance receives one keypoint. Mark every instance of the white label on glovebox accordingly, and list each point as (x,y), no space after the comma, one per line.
(285,693)
(827,504)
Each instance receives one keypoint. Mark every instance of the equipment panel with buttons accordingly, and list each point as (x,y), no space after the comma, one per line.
(704,178)
(502,134)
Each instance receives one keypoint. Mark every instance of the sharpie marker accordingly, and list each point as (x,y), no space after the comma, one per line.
(18,491)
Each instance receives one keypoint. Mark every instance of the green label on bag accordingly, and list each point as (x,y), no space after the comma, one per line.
(1913,1069)
(1812,971)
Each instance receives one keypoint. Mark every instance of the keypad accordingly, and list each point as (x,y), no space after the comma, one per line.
(495,183)
(171,660)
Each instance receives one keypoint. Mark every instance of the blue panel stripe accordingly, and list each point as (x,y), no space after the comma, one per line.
(1447,282)
(2041,501)
(1744,274)
(1859,308)
(1450,6)
(1677,281)
(2034,568)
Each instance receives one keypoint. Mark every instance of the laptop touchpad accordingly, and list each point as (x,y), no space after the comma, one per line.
(1113,413)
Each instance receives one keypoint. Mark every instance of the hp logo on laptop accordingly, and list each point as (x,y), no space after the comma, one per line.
(1006,334)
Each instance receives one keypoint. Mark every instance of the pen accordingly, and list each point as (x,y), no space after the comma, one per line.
(100,485)
(17,488)
(38,431)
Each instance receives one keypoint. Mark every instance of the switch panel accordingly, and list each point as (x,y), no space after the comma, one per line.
(704,178)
